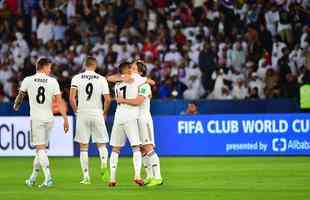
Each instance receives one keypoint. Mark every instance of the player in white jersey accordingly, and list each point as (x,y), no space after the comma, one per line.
(86,93)
(126,125)
(42,91)
(146,129)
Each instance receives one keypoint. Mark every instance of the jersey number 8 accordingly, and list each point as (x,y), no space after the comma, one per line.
(41,95)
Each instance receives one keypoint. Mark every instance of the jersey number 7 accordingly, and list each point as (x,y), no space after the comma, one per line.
(123,90)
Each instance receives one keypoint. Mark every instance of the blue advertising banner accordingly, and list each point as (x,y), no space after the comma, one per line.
(232,134)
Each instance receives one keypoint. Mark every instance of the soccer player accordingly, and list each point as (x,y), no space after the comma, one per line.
(126,125)
(42,90)
(86,93)
(146,130)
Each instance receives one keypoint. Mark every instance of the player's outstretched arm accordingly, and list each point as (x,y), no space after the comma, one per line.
(133,102)
(72,99)
(119,78)
(106,106)
(62,110)
(19,100)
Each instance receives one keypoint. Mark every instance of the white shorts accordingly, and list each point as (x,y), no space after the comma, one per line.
(91,127)
(121,131)
(146,131)
(40,132)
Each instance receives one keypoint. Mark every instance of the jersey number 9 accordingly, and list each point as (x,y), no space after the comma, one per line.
(89,90)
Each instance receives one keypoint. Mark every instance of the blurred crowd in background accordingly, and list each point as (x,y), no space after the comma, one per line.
(194,49)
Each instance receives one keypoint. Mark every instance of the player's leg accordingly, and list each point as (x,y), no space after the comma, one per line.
(40,136)
(147,137)
(101,138)
(84,163)
(103,155)
(45,165)
(118,140)
(137,163)
(36,163)
(155,163)
(35,172)
(132,132)
(82,136)
(113,165)
(147,166)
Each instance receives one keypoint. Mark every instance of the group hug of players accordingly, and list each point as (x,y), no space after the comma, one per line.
(132,120)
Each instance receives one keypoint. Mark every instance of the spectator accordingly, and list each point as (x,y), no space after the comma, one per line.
(207,65)
(191,109)
(59,30)
(239,91)
(45,31)
(254,93)
(236,59)
(256,86)
(272,19)
(173,55)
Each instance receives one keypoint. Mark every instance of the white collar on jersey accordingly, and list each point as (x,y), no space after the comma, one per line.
(89,71)
(41,73)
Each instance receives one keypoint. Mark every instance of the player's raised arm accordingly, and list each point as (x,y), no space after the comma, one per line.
(62,110)
(118,78)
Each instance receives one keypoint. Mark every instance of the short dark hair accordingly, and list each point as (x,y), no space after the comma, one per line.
(123,66)
(42,62)
(141,68)
(89,60)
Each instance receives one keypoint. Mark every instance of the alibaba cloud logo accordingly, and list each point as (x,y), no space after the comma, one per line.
(279,144)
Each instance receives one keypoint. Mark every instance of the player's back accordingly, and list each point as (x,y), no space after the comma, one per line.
(90,88)
(41,89)
(125,112)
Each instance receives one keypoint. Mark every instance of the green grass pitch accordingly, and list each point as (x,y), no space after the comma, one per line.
(201,178)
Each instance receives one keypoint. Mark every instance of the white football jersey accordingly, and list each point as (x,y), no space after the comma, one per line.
(90,88)
(125,112)
(41,90)
(145,108)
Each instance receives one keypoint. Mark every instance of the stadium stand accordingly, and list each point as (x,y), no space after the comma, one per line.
(199,49)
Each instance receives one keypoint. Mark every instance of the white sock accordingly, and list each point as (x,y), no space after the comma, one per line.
(154,160)
(147,167)
(103,153)
(84,163)
(36,168)
(137,163)
(113,165)
(44,162)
